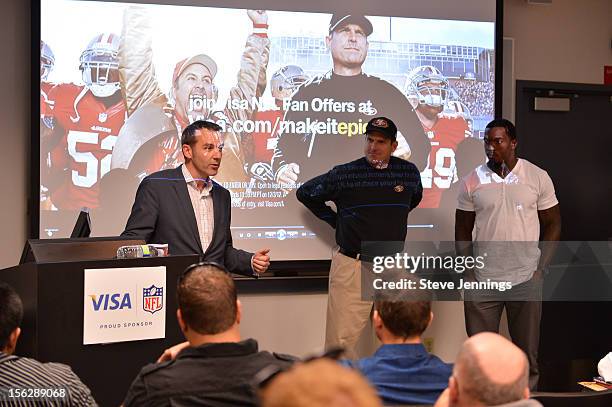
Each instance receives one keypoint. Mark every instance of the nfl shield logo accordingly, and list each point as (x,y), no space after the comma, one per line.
(152,299)
(102,117)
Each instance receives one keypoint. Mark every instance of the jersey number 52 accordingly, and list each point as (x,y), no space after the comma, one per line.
(94,168)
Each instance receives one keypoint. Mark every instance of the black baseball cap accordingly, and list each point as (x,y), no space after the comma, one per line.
(342,19)
(384,126)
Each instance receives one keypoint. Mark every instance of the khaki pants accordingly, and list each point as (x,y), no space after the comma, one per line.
(348,317)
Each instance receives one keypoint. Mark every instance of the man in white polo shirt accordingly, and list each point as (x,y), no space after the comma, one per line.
(507,200)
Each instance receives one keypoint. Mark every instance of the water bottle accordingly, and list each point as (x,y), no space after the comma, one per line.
(137,251)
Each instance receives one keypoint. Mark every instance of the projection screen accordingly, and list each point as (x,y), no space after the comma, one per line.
(115,96)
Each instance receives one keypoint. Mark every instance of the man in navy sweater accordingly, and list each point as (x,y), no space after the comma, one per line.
(373,196)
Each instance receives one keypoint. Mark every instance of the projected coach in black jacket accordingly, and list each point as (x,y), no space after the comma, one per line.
(326,118)
(186,209)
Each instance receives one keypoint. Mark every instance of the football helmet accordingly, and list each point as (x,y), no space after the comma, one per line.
(428,85)
(47,60)
(286,80)
(99,65)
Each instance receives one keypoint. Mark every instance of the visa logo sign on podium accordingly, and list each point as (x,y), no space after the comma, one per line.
(124,304)
(111,301)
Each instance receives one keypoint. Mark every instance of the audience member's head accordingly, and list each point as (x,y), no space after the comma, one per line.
(490,370)
(207,303)
(320,383)
(11,313)
(401,321)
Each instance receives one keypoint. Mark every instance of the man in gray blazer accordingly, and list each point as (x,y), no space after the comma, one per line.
(190,212)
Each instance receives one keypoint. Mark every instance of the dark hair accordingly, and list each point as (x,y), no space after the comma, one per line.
(504,123)
(11,312)
(206,296)
(188,136)
(405,319)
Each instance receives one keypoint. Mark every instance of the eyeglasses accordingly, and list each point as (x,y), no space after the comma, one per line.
(265,376)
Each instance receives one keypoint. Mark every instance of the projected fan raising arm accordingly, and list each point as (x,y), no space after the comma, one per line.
(136,69)
(236,118)
(253,65)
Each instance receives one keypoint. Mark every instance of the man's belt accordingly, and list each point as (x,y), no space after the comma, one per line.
(356,255)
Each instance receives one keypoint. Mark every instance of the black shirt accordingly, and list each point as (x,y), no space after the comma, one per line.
(372,204)
(215,374)
(339,104)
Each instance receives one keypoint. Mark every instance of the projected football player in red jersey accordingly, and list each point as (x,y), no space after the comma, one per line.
(47,62)
(427,90)
(461,109)
(87,120)
(259,146)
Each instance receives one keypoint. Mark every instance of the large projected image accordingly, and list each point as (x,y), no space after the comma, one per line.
(292,95)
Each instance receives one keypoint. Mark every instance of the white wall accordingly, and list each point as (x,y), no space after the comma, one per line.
(568,41)
(295,324)
(292,324)
(14,127)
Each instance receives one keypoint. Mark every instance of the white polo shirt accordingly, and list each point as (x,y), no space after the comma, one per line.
(507,211)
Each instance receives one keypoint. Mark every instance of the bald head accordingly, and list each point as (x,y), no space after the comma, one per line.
(491,370)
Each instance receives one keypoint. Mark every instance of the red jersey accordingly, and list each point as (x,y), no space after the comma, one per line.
(46,105)
(441,172)
(168,154)
(89,134)
(264,142)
